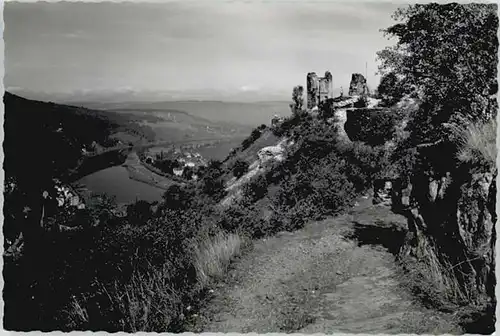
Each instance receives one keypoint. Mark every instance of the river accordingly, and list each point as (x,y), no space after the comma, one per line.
(115,181)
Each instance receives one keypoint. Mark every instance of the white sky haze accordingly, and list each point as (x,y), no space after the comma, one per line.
(184,46)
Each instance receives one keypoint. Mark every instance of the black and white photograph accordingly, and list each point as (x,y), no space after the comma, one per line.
(250,166)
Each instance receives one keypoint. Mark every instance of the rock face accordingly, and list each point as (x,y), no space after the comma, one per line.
(451,216)
(382,192)
(358,85)
(271,153)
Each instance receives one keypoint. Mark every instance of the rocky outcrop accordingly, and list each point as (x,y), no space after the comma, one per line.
(271,153)
(265,156)
(382,193)
(451,216)
(358,85)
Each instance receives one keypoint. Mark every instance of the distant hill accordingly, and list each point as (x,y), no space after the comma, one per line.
(45,140)
(242,113)
(173,124)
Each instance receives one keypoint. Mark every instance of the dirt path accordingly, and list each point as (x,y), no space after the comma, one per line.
(337,275)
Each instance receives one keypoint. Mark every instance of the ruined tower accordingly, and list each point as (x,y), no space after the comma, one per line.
(319,89)
(312,90)
(358,85)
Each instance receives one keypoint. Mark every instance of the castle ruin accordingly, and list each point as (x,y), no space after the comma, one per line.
(319,89)
(358,86)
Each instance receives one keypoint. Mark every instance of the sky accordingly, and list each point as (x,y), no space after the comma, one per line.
(210,46)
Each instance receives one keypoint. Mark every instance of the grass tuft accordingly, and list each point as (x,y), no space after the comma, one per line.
(213,255)
(478,143)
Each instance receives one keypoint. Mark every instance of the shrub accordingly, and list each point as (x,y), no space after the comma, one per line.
(139,212)
(167,165)
(362,102)
(288,124)
(323,189)
(240,167)
(187,173)
(178,198)
(297,99)
(371,126)
(256,133)
(390,89)
(327,109)
(213,188)
(256,188)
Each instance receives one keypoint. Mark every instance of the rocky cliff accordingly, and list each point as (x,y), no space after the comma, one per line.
(451,232)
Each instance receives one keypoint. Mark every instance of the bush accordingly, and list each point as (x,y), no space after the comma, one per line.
(390,89)
(240,168)
(211,183)
(178,198)
(167,165)
(256,188)
(187,173)
(362,102)
(374,127)
(139,212)
(288,124)
(256,133)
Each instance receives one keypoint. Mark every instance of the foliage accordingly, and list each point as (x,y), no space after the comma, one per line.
(326,109)
(390,89)
(240,167)
(139,212)
(256,188)
(297,105)
(371,126)
(178,197)
(256,133)
(448,55)
(187,173)
(362,102)
(246,219)
(166,165)
(288,124)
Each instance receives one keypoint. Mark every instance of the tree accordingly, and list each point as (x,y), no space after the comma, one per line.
(298,100)
(240,167)
(256,133)
(178,198)
(212,183)
(390,89)
(167,165)
(139,212)
(447,55)
(256,189)
(187,173)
